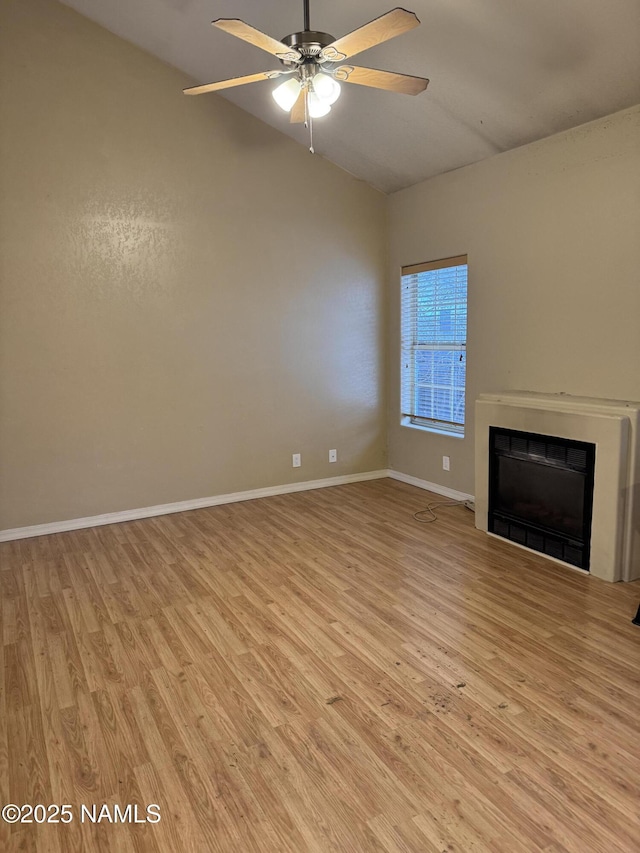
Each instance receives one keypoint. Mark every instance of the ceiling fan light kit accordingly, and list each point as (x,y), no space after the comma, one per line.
(322,92)
(326,88)
(286,94)
(316,106)
(313,60)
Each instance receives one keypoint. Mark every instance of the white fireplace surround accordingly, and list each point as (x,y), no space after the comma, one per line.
(614,427)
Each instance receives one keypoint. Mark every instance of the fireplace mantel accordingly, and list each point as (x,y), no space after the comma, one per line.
(614,427)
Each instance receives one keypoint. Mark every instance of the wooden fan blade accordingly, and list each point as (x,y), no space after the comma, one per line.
(238,28)
(386,27)
(232,81)
(389,80)
(298,111)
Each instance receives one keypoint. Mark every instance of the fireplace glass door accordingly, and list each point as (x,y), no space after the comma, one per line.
(541,493)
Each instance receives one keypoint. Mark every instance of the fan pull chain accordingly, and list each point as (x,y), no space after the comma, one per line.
(308,121)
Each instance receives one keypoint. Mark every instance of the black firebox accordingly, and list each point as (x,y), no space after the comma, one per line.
(541,493)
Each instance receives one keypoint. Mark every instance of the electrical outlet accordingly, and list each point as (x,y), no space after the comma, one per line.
(296,460)
(445,463)
(333,456)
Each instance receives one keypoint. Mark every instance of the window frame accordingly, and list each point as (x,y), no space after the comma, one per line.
(433,425)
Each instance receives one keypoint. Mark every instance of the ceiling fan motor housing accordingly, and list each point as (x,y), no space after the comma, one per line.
(309,43)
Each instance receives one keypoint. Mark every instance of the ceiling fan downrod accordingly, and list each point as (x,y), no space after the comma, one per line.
(307,25)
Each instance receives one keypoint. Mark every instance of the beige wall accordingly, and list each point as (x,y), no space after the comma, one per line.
(552,231)
(172,326)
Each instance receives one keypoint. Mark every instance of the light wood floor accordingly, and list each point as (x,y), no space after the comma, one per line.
(318,672)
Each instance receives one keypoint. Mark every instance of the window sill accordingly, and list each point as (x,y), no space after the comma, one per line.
(405,422)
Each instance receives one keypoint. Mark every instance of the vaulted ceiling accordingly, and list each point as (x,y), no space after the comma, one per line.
(502,72)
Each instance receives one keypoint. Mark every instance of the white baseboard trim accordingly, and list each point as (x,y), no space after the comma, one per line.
(183,506)
(430,487)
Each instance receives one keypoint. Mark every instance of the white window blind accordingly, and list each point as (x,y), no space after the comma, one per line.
(434,339)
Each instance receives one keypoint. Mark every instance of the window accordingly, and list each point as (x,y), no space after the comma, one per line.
(434,338)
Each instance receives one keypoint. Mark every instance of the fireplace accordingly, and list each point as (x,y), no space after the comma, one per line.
(541,493)
(611,549)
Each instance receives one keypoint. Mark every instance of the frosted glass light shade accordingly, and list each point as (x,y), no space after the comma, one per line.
(326,88)
(317,108)
(286,94)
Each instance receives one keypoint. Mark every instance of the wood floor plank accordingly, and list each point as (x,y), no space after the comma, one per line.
(317,672)
(180,828)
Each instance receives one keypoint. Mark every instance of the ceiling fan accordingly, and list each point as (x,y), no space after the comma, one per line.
(313,62)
